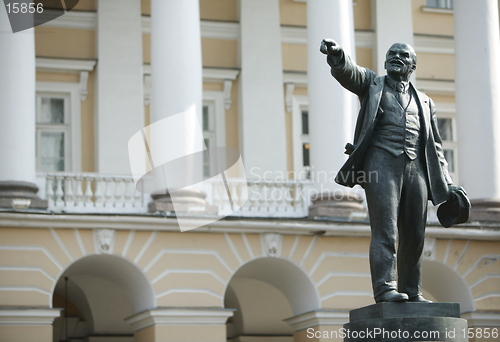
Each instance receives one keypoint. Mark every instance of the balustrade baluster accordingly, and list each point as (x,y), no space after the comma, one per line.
(98,194)
(78,191)
(128,193)
(69,195)
(88,192)
(119,199)
(59,192)
(108,195)
(138,196)
(49,191)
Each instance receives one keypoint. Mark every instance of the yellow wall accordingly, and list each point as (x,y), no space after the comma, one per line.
(219,53)
(364,57)
(293,13)
(435,66)
(146,7)
(146,48)
(57,77)
(362,15)
(65,42)
(26,333)
(294,57)
(225,10)
(431,23)
(441,98)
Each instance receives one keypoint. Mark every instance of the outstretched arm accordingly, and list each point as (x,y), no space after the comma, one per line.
(351,76)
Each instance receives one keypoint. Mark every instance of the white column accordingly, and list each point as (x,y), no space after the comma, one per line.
(477,58)
(393,24)
(17,102)
(176,75)
(262,109)
(176,66)
(120,101)
(331,107)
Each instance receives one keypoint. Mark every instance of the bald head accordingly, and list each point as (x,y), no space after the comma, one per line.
(400,61)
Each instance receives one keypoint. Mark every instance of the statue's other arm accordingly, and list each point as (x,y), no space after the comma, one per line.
(351,76)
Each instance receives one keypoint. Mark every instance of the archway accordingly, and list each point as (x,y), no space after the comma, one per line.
(102,290)
(445,285)
(263,293)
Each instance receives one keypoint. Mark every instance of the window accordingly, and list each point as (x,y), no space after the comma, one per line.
(305,142)
(300,135)
(448,4)
(446,127)
(53,132)
(213,123)
(209,136)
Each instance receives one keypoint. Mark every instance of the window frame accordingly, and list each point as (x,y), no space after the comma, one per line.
(73,146)
(445,110)
(299,104)
(442,4)
(217,119)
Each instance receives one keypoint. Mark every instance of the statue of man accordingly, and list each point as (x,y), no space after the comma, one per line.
(397,143)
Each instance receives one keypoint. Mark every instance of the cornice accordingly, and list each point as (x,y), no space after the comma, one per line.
(318,318)
(434,44)
(209,74)
(72,19)
(231,31)
(178,316)
(64,64)
(438,87)
(473,231)
(28,316)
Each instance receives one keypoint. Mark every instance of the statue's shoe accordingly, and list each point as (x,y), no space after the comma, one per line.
(419,299)
(391,296)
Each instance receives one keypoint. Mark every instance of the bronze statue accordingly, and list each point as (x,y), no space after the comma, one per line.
(397,139)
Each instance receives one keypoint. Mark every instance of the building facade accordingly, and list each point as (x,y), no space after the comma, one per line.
(87,255)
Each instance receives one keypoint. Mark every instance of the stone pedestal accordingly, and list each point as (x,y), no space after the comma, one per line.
(485,210)
(20,195)
(187,201)
(340,205)
(401,322)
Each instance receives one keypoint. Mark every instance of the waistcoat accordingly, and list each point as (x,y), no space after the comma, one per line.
(398,128)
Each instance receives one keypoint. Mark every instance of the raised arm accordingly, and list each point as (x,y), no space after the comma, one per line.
(351,76)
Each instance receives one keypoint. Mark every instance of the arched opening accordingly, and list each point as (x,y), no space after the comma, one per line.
(264,292)
(102,290)
(445,285)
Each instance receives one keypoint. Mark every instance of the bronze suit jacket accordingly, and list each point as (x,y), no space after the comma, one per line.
(364,83)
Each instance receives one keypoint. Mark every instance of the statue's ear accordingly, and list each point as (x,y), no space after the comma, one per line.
(414,66)
(385,65)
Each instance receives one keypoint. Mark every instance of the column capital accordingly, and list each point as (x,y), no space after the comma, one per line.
(318,318)
(179,316)
(28,316)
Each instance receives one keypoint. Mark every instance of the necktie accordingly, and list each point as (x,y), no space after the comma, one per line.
(402,95)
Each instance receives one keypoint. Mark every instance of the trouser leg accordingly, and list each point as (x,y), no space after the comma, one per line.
(411,227)
(383,190)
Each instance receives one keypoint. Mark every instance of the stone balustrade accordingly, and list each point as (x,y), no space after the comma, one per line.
(90,192)
(265,198)
(99,193)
